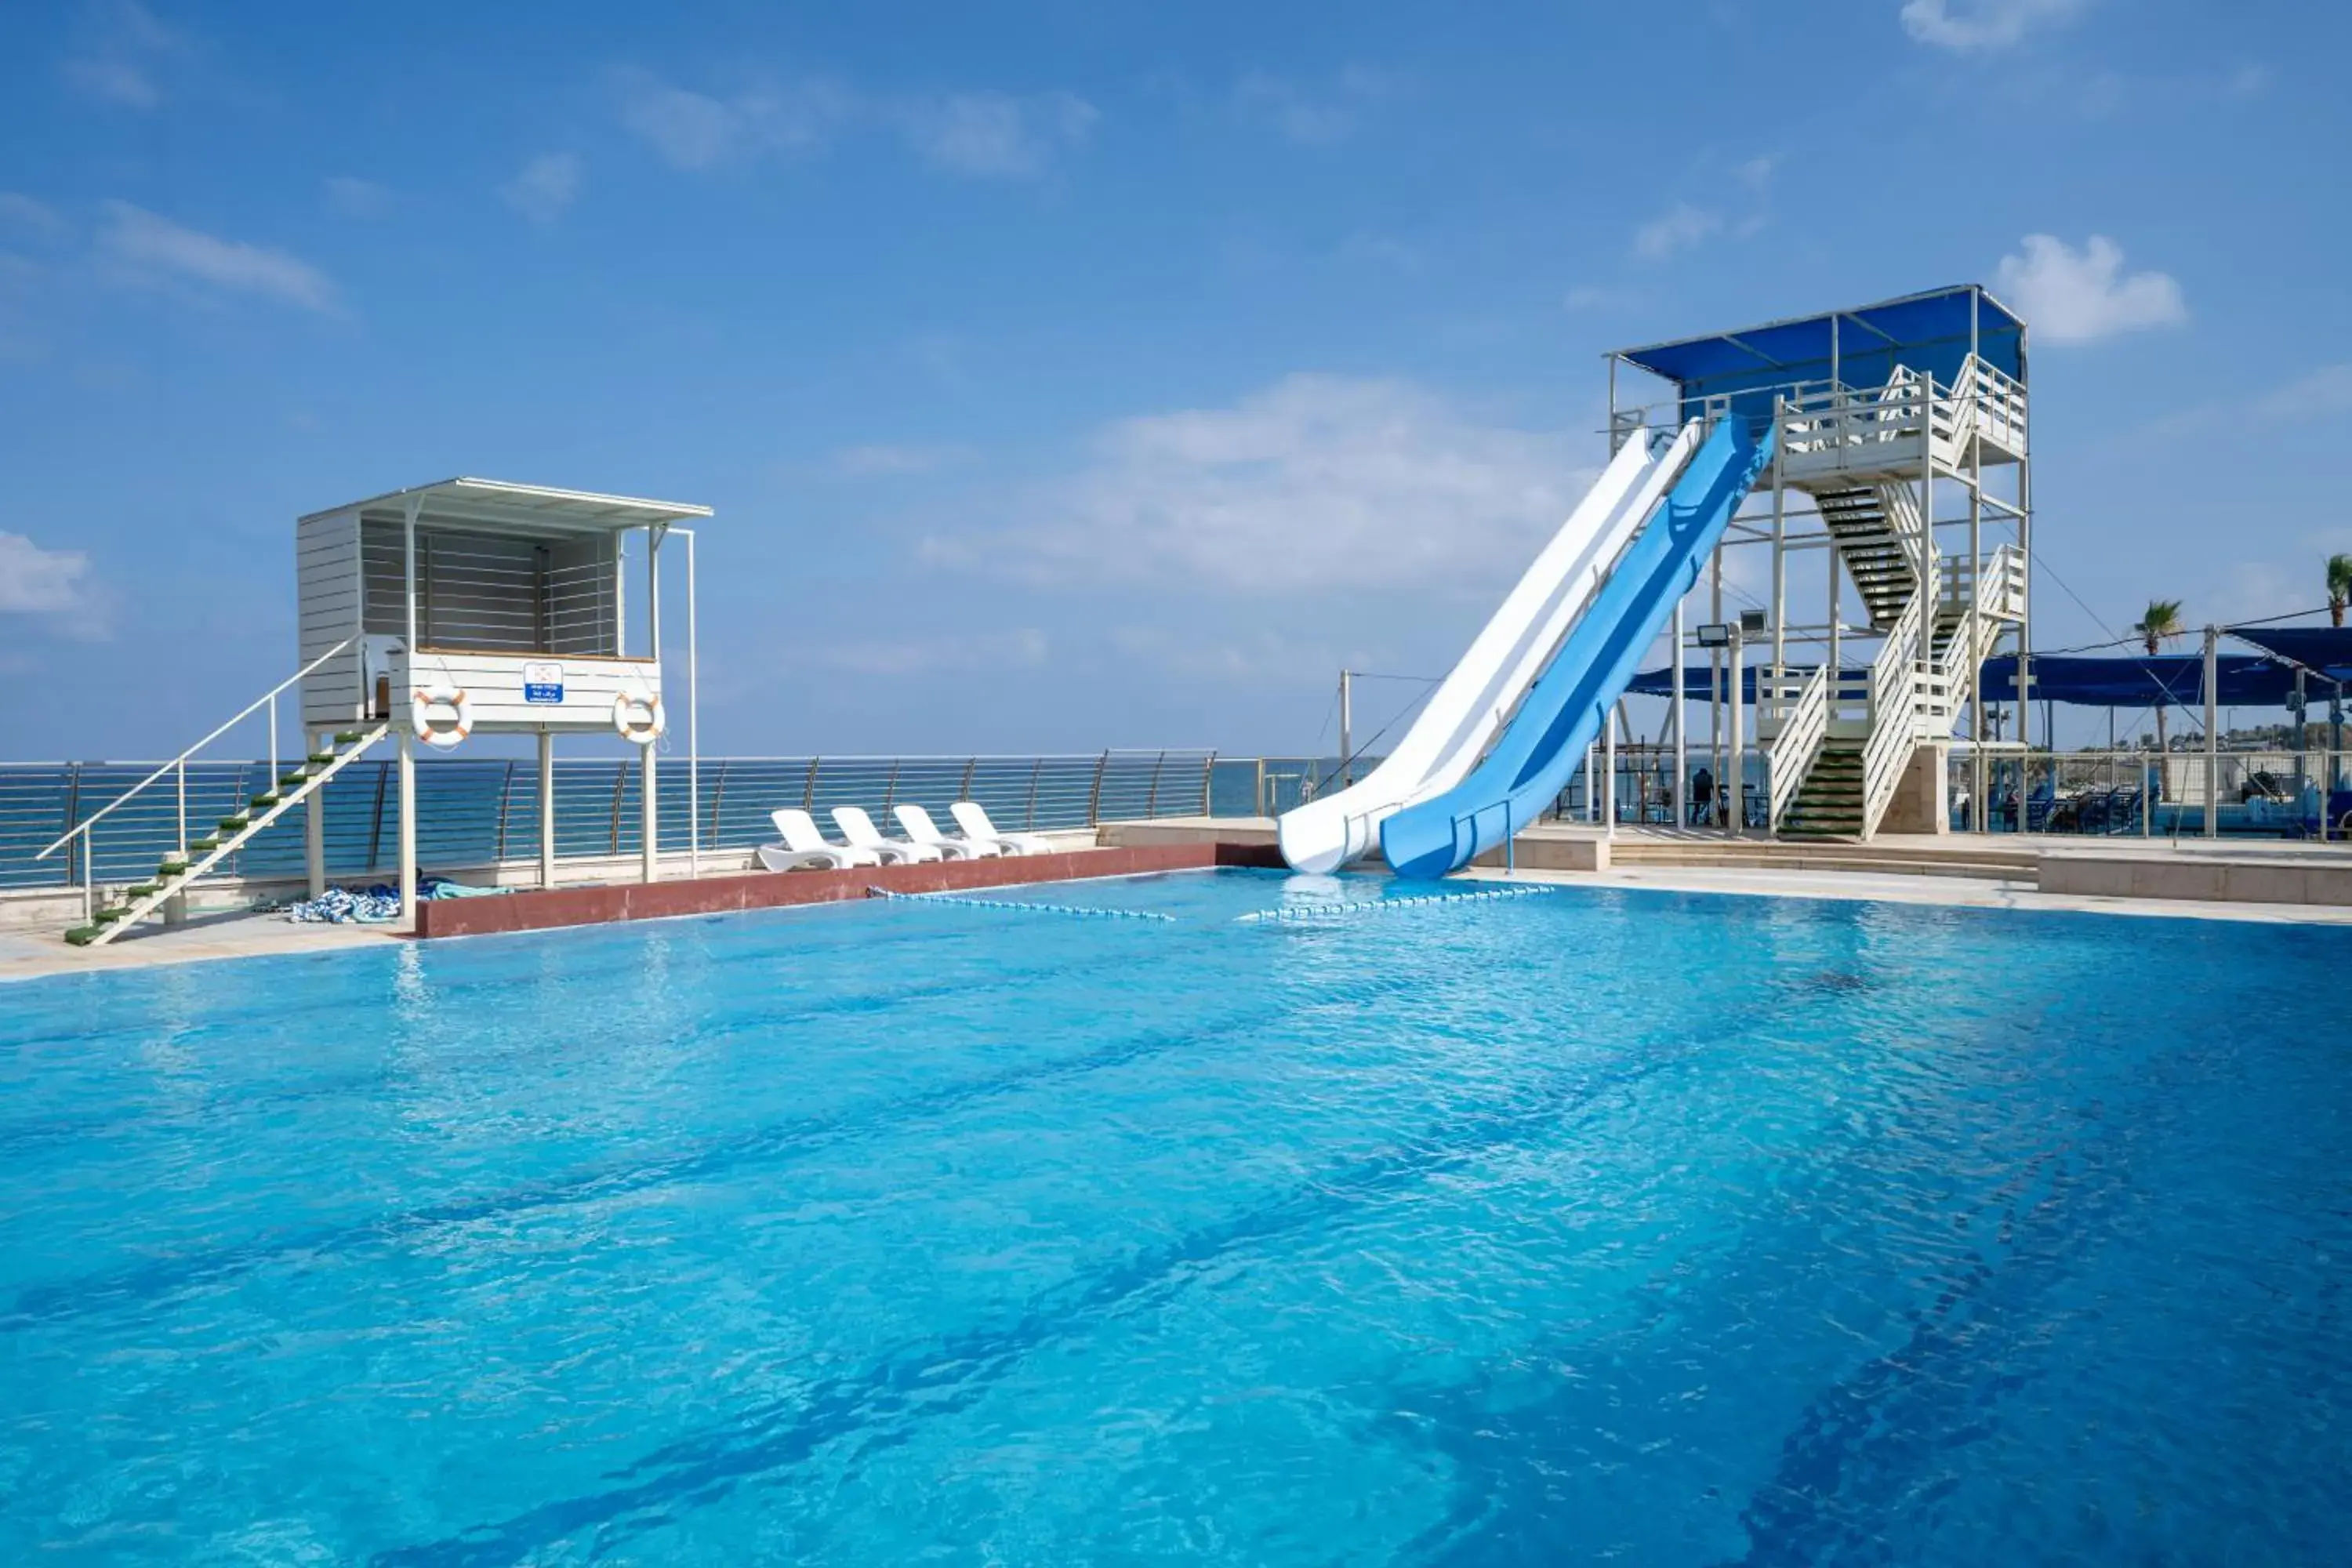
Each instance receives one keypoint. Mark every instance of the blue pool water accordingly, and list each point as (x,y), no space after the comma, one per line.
(1584,1225)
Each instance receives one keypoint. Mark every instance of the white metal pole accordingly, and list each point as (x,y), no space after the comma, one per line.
(1609,772)
(1347,732)
(2212,735)
(407,827)
(651,812)
(1735,819)
(652,801)
(546,808)
(693,720)
(1681,715)
(314,823)
(408,740)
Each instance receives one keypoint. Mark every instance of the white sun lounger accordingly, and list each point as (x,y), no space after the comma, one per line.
(804,847)
(974,822)
(919,828)
(859,829)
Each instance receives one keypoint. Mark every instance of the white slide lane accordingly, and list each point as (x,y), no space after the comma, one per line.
(1463,716)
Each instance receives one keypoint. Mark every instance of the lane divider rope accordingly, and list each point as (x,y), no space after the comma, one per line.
(1293,913)
(971,903)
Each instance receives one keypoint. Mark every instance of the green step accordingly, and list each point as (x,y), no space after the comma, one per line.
(166,869)
(109,916)
(319,758)
(294,780)
(206,844)
(234,824)
(141,891)
(264,802)
(350,737)
(82,936)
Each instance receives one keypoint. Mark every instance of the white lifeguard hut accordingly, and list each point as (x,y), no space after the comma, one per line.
(474,606)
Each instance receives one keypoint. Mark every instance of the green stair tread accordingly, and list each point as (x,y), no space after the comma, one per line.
(82,936)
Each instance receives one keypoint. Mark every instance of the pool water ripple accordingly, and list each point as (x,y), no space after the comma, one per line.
(1669,1229)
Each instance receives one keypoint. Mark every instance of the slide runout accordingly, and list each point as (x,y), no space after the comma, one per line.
(1564,710)
(1464,714)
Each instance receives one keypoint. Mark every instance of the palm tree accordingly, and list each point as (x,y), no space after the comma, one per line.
(2339,586)
(2158,626)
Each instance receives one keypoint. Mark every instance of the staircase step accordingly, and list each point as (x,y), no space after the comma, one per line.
(82,936)
(110,914)
(141,891)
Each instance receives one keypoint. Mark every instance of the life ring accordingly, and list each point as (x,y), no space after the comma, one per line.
(422,704)
(639,716)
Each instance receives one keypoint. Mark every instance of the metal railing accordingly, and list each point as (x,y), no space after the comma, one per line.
(81,826)
(2152,794)
(1804,725)
(481,811)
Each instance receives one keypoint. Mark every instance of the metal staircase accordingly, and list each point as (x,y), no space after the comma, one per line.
(180,867)
(104,919)
(1842,746)
(1879,554)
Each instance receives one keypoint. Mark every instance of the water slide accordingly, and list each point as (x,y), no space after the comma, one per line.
(1471,704)
(1565,709)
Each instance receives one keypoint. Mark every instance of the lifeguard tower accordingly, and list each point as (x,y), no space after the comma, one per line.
(1899,528)
(474,606)
(434,615)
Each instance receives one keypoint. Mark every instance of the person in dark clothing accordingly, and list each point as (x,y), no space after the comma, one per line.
(1702,801)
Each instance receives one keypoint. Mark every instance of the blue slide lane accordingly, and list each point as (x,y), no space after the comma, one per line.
(1563,711)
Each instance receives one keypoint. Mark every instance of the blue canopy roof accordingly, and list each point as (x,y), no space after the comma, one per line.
(1929,332)
(2325,650)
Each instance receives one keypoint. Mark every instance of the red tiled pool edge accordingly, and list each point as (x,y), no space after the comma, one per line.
(540,911)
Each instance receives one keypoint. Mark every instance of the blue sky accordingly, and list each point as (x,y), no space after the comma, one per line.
(1071,375)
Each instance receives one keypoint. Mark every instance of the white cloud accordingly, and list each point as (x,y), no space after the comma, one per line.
(1317,483)
(881,458)
(2328,390)
(354,197)
(1314,116)
(696,130)
(997,135)
(544,187)
(1023,648)
(124,47)
(1757,172)
(146,246)
(2070,296)
(1680,227)
(1973,25)
(25,215)
(37,582)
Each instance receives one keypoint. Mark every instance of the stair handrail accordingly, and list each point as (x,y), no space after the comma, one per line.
(86,824)
(1893,711)
(1804,725)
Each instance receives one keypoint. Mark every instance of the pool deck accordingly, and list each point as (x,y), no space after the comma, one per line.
(2128,877)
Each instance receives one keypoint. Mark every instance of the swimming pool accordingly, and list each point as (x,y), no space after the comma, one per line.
(1679,1229)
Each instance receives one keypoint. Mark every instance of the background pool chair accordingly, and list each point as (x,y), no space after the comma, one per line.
(804,847)
(920,829)
(859,829)
(976,825)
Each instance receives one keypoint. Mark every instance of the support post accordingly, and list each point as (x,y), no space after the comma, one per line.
(1734,818)
(1681,716)
(651,806)
(1609,770)
(2212,734)
(546,808)
(314,821)
(1347,731)
(1715,681)
(694,724)
(407,827)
